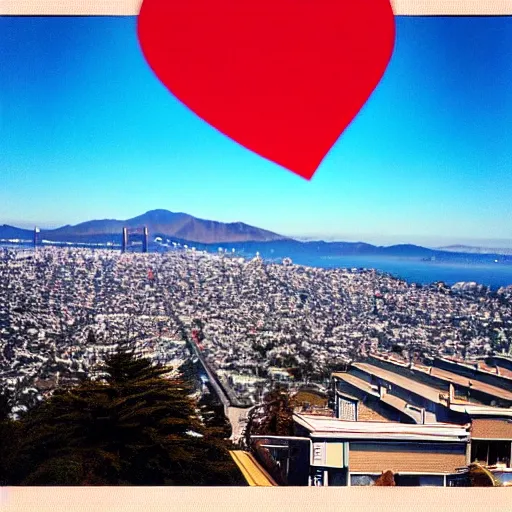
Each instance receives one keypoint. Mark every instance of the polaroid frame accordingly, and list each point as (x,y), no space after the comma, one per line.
(286,499)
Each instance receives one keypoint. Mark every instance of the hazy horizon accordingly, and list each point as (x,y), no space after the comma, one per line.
(371,238)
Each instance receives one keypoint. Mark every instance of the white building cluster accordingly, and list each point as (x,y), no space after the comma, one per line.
(62,309)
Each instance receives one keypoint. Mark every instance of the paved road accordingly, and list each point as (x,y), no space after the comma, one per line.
(237,416)
(235,410)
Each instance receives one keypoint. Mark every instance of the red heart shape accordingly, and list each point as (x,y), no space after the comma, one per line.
(283,78)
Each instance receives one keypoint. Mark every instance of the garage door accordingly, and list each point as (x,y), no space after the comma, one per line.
(406,457)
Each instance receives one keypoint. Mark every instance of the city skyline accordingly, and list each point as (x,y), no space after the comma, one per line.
(88,132)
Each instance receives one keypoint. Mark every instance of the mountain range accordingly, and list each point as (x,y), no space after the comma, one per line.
(208,235)
(159,223)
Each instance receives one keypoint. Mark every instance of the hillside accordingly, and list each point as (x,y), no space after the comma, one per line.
(161,222)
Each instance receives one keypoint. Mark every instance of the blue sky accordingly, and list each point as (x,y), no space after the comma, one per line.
(87,131)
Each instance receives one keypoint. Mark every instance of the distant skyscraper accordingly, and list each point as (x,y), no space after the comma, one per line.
(125,239)
(145,239)
(37,232)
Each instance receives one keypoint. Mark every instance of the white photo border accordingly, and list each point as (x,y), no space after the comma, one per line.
(112,499)
(132,7)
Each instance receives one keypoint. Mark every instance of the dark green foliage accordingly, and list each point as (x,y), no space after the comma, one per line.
(189,371)
(5,405)
(91,338)
(133,429)
(212,412)
(8,437)
(273,417)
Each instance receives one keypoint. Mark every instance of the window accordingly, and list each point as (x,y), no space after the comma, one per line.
(479,451)
(491,452)
(458,480)
(419,480)
(363,480)
(337,477)
(346,410)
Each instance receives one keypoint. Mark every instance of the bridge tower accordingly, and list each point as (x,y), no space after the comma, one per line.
(141,236)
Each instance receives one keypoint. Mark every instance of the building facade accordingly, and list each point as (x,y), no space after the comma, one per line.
(425,424)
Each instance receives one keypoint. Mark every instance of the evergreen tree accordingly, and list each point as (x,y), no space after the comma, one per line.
(273,417)
(5,405)
(8,436)
(139,427)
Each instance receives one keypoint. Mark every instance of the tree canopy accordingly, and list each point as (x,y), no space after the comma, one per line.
(273,417)
(137,426)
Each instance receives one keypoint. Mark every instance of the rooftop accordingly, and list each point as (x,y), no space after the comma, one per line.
(356,382)
(397,403)
(415,413)
(471,383)
(455,378)
(481,367)
(323,427)
(418,388)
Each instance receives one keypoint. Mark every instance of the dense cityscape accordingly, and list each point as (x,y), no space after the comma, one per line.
(63,310)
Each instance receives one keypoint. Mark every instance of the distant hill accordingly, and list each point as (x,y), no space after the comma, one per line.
(281,248)
(468,249)
(161,222)
(209,235)
(10,232)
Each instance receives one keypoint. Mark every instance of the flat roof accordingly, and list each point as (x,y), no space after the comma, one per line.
(406,383)
(323,427)
(504,372)
(481,367)
(475,384)
(481,410)
(451,376)
(402,406)
(356,382)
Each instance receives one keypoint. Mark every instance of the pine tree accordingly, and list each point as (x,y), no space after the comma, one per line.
(8,436)
(139,427)
(273,417)
(5,405)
